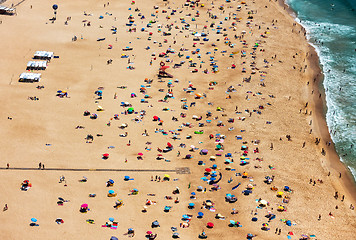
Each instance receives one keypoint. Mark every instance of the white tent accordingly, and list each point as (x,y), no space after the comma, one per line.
(43,55)
(30,77)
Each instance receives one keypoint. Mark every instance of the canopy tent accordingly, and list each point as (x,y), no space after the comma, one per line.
(36,65)
(30,77)
(43,55)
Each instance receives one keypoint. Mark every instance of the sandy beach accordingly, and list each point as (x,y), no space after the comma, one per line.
(219,99)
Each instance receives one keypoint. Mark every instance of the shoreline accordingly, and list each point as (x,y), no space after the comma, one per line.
(321,129)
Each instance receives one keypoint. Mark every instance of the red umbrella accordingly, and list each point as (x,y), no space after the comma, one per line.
(155,118)
(140,154)
(84,205)
(169,145)
(149,232)
(207,170)
(210,225)
(106,155)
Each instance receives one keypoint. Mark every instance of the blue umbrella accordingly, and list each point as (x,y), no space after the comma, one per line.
(33,220)
(215,166)
(200,214)
(111,191)
(110,180)
(111,219)
(193,193)
(212,179)
(191,204)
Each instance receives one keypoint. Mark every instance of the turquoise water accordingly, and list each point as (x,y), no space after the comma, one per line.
(331,27)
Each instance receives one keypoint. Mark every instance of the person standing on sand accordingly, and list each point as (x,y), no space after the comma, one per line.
(39,165)
(7,165)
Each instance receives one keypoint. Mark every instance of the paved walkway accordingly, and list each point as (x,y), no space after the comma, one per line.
(183,170)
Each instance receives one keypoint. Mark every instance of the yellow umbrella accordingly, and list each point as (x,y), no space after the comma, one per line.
(280,193)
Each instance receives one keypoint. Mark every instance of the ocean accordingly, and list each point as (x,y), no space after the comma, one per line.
(331,28)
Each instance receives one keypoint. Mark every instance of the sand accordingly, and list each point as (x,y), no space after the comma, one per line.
(45,130)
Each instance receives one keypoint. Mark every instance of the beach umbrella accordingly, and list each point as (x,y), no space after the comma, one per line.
(111,191)
(193,193)
(185,216)
(84,205)
(214,166)
(280,208)
(106,155)
(111,181)
(111,219)
(280,193)
(114,238)
(205,151)
(191,205)
(210,225)
(200,214)
(254,219)
(207,170)
(140,154)
(263,202)
(33,220)
(233,222)
(148,232)
(212,179)
(265,224)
